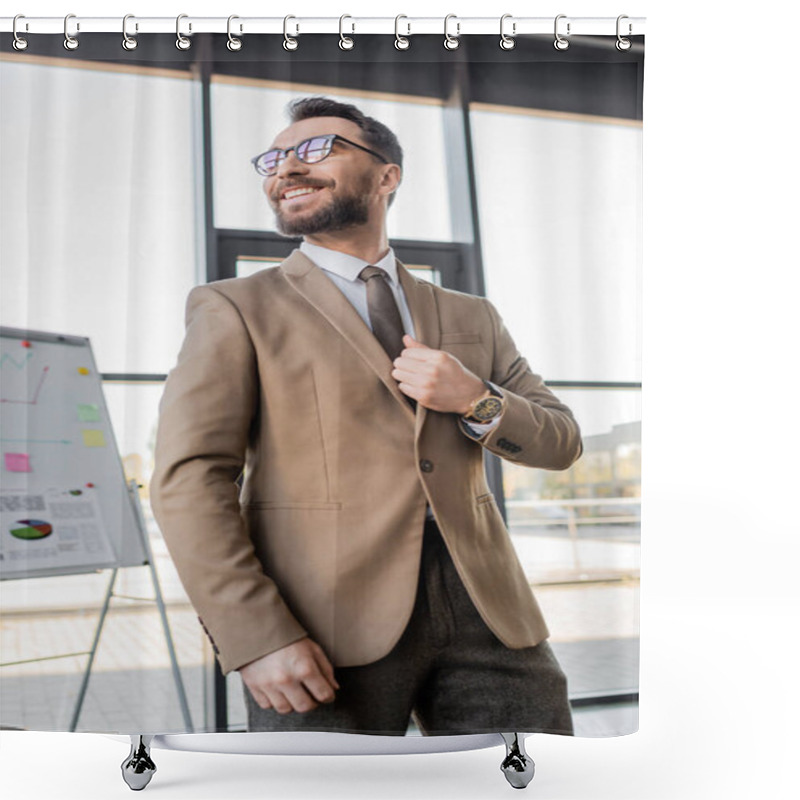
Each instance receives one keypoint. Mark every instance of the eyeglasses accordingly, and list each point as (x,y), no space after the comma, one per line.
(309,151)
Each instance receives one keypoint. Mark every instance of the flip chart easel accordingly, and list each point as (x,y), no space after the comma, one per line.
(65,506)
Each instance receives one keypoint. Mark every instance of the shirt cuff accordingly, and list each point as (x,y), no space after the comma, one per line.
(479,428)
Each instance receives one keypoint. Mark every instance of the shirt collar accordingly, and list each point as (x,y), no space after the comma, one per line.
(347,266)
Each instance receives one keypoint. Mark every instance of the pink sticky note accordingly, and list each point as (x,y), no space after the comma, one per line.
(18,462)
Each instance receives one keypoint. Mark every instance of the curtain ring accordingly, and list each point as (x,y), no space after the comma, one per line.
(182,43)
(129,42)
(346,42)
(560,42)
(19,43)
(623,43)
(233,44)
(70,42)
(451,42)
(288,42)
(401,42)
(507,42)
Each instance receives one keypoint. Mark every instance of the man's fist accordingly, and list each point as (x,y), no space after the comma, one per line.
(297,677)
(435,379)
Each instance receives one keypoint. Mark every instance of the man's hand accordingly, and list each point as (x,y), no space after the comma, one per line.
(297,677)
(436,379)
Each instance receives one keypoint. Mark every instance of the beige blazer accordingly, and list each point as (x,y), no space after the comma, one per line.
(280,377)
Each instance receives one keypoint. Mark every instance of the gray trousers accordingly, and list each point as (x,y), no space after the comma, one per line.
(448,670)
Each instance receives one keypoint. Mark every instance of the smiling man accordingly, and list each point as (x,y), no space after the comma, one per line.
(363,573)
(342,206)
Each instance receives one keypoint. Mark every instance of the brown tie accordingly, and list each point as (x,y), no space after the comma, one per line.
(383,312)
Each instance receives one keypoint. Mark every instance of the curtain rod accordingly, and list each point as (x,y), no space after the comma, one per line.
(346,25)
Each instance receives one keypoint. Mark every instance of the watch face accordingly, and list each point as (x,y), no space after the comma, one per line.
(487,409)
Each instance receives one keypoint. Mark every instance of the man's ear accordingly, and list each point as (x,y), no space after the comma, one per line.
(391,177)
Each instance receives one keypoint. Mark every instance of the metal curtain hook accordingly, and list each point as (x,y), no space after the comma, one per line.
(560,42)
(70,42)
(129,42)
(233,43)
(507,42)
(288,42)
(623,43)
(182,43)
(345,42)
(401,42)
(451,42)
(19,43)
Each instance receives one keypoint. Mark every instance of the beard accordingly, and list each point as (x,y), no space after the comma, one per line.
(344,211)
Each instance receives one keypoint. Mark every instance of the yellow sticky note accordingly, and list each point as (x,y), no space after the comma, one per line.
(93,438)
(83,371)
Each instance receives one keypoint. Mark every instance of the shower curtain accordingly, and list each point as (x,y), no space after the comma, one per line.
(132,175)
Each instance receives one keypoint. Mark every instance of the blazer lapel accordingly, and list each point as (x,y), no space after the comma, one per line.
(422,304)
(311,282)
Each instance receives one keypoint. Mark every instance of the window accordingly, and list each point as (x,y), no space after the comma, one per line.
(561,262)
(561,252)
(104,245)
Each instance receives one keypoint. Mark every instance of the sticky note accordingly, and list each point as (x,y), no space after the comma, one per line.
(83,371)
(88,412)
(17,462)
(93,438)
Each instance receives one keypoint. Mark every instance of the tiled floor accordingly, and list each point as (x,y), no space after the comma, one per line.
(606,720)
(597,665)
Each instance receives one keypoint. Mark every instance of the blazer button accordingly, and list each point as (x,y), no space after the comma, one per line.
(425,465)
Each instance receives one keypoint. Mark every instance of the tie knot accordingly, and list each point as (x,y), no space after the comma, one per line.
(372,272)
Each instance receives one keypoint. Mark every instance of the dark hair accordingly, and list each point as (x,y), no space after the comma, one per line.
(376,135)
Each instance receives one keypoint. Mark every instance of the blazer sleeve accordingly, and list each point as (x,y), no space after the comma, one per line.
(206,413)
(535,429)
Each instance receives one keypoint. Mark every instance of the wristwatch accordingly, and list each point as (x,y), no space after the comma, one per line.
(487,407)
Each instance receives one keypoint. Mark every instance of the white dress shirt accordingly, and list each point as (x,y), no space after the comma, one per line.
(344,269)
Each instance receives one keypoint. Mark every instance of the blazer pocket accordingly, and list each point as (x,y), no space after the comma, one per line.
(310,505)
(484,498)
(460,338)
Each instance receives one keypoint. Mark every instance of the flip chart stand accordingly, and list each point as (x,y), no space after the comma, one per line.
(133,491)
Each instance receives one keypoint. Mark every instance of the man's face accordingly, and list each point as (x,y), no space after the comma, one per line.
(337,193)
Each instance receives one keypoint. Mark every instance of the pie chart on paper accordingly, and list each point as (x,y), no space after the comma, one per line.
(30,529)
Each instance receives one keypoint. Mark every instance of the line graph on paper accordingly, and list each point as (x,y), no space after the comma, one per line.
(19,364)
(29,398)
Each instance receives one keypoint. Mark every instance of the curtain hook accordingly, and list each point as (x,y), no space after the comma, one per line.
(560,42)
(623,43)
(182,43)
(507,42)
(129,42)
(401,42)
(70,42)
(346,42)
(233,44)
(19,43)
(288,42)
(451,42)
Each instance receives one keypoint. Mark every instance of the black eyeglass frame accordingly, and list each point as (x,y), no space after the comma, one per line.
(331,137)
